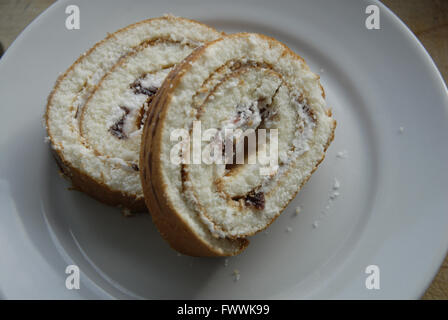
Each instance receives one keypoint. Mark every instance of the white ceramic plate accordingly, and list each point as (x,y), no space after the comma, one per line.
(392,210)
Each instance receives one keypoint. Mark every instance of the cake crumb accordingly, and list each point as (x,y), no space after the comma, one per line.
(226,262)
(336,184)
(126,212)
(288,229)
(236,275)
(315,224)
(298,209)
(322,70)
(334,195)
(342,154)
(401,130)
(179,255)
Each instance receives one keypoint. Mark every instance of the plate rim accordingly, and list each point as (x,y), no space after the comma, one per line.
(401,24)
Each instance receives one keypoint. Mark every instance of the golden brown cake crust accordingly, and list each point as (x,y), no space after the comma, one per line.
(96,189)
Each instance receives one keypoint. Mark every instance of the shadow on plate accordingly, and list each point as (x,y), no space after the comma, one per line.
(124,256)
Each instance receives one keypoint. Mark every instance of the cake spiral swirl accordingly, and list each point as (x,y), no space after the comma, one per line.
(257,88)
(96,110)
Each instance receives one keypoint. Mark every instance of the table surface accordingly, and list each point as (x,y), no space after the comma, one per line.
(428,19)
